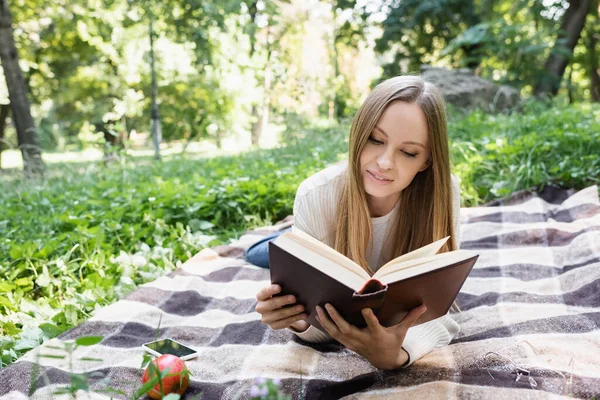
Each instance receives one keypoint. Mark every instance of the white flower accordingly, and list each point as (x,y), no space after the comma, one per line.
(138,260)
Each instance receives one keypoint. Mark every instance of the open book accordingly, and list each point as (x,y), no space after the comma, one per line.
(317,274)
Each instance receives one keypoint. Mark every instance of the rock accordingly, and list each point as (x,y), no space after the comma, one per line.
(463,89)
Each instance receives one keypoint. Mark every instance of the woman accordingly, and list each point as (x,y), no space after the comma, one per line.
(393,195)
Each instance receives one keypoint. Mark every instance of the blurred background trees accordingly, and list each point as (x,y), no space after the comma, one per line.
(245,72)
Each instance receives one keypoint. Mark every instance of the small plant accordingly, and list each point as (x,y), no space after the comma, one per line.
(77,382)
(267,389)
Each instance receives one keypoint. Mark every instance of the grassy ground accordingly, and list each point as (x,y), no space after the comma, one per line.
(89,233)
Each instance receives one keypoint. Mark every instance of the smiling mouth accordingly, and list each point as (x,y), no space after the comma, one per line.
(379,178)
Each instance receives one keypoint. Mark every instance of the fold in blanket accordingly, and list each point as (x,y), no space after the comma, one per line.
(532,304)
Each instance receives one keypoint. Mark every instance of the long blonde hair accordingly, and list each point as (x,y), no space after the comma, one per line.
(425,213)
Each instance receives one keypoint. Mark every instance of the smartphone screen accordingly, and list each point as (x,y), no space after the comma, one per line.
(168,346)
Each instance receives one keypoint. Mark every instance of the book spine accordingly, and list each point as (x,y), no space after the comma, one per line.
(372,295)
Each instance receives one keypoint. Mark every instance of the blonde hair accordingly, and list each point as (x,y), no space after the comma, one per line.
(425,213)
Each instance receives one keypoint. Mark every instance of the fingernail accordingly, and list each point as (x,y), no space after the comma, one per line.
(299,308)
(291,299)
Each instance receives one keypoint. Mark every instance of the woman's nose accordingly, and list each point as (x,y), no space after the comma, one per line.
(385,161)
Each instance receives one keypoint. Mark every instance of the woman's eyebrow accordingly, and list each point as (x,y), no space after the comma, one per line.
(408,142)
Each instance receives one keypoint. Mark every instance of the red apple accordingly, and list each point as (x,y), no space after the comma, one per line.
(176,381)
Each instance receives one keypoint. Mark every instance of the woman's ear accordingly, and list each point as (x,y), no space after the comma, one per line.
(426,165)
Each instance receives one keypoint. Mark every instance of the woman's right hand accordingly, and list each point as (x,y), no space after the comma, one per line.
(280,312)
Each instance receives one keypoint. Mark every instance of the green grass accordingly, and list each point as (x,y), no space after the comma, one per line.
(498,155)
(90,234)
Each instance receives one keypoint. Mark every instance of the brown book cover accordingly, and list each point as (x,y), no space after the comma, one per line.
(436,289)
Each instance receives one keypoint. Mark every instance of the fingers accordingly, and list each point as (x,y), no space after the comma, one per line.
(276,310)
(371,319)
(341,323)
(274,303)
(284,323)
(410,318)
(281,314)
(267,292)
(325,322)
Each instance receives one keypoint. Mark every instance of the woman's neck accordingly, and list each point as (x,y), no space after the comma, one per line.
(378,207)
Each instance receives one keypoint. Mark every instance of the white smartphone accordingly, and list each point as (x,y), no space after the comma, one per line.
(170,346)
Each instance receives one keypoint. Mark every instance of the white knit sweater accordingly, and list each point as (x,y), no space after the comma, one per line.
(314,213)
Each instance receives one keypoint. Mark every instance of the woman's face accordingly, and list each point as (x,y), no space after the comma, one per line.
(397,150)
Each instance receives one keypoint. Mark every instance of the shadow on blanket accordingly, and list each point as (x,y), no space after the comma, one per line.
(532,304)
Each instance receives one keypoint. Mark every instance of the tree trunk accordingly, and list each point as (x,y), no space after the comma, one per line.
(256,126)
(570,32)
(17,93)
(4,110)
(570,85)
(266,106)
(156,127)
(594,70)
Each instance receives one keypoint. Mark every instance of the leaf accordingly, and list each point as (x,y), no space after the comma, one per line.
(43,279)
(15,252)
(26,344)
(23,282)
(5,302)
(91,359)
(50,330)
(79,382)
(56,356)
(146,387)
(88,340)
(6,287)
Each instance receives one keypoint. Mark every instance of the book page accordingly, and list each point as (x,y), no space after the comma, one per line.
(425,251)
(318,261)
(421,266)
(321,248)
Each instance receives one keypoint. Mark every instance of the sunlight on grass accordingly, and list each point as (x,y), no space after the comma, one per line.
(271,138)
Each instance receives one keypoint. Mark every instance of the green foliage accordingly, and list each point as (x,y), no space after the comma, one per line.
(498,42)
(504,41)
(496,155)
(91,234)
(417,30)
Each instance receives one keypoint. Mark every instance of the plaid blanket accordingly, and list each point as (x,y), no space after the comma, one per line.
(530,321)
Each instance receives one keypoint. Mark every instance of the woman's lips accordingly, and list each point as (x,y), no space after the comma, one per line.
(372,177)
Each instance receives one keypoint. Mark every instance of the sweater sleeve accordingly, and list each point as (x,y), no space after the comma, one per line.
(421,339)
(313,335)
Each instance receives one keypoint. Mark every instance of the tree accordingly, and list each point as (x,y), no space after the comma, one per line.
(593,39)
(568,36)
(17,93)
(267,33)
(4,110)
(416,31)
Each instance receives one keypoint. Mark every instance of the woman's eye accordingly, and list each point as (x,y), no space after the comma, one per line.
(379,142)
(375,141)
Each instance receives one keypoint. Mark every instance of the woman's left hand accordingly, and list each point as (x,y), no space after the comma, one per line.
(381,346)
